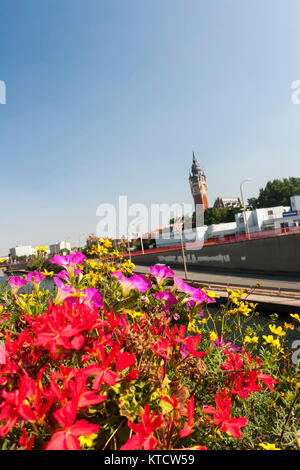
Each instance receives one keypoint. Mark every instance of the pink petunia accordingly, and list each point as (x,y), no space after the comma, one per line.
(16,283)
(138,282)
(160,273)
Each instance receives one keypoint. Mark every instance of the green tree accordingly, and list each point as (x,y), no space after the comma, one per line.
(219,215)
(252,203)
(277,193)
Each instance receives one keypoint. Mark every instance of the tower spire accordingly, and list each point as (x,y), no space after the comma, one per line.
(198,184)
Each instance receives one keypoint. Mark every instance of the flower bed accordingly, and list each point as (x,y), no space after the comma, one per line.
(116,360)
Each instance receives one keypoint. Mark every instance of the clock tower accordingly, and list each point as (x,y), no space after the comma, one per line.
(198,184)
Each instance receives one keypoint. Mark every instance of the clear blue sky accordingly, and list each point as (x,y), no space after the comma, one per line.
(110,97)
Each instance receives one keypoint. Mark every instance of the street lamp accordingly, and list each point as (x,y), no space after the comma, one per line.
(79,241)
(244,209)
(178,225)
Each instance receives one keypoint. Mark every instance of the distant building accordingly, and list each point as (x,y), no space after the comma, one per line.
(231,202)
(198,184)
(19,251)
(270,218)
(59,246)
(259,219)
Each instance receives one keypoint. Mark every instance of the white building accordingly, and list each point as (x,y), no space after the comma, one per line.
(270,218)
(259,219)
(59,246)
(19,251)
(227,202)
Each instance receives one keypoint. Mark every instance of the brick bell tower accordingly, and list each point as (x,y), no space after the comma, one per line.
(198,184)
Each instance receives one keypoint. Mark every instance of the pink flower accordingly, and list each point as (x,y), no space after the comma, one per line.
(166,297)
(64,275)
(62,291)
(195,296)
(138,282)
(179,284)
(161,273)
(69,261)
(2,353)
(93,299)
(35,277)
(16,283)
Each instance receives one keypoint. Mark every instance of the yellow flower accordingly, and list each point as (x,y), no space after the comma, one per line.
(273,342)
(48,273)
(133,313)
(106,242)
(268,339)
(277,331)
(87,440)
(269,446)
(244,309)
(211,294)
(115,253)
(296,316)
(252,305)
(77,293)
(213,336)
(288,326)
(232,311)
(102,250)
(41,248)
(253,340)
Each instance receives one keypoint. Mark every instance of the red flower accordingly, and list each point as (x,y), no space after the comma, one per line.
(143,437)
(103,371)
(67,439)
(221,416)
(268,380)
(24,442)
(125,360)
(188,426)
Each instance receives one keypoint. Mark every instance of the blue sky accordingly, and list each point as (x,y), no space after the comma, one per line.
(110,97)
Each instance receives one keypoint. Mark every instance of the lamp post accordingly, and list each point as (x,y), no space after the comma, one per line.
(140,235)
(178,224)
(244,209)
(79,241)
(128,247)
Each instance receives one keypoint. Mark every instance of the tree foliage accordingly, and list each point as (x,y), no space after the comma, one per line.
(276,193)
(219,215)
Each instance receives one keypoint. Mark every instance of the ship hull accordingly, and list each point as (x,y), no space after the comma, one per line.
(274,255)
